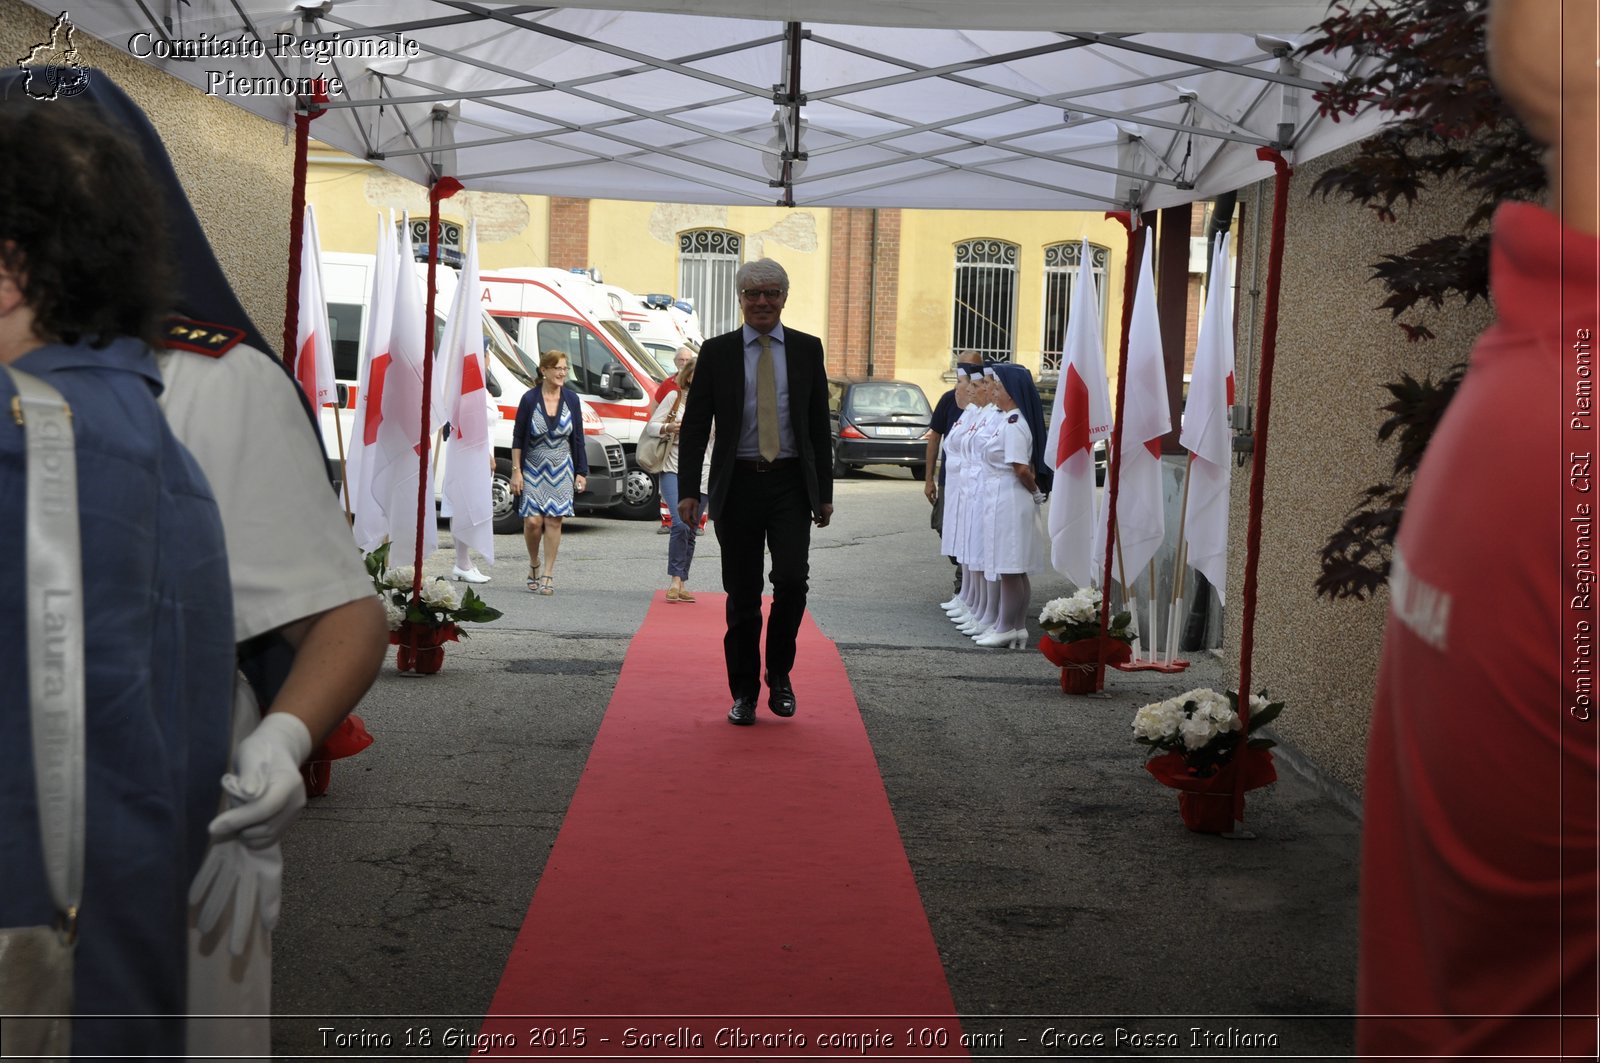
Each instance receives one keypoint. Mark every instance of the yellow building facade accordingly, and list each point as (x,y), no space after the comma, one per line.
(881,287)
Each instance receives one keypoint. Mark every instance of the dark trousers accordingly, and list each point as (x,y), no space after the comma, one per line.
(764,510)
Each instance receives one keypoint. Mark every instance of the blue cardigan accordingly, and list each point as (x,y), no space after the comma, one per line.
(524,422)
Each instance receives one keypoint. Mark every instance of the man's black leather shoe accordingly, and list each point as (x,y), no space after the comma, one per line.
(780,697)
(743,711)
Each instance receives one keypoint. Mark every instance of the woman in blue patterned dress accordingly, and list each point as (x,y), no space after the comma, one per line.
(548,465)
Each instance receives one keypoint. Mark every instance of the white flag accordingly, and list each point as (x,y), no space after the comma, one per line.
(372,520)
(1082,415)
(1141,521)
(313,360)
(1207,429)
(395,471)
(467,480)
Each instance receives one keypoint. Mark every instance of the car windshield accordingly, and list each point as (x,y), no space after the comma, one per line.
(508,354)
(666,357)
(889,400)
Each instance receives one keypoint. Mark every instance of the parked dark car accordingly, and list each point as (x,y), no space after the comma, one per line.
(878,422)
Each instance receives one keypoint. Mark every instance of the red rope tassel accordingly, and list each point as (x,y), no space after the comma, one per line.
(1258,468)
(297,219)
(443,188)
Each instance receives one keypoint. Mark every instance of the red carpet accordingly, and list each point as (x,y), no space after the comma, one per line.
(731,890)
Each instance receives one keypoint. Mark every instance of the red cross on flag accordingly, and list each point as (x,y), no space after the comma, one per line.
(1082,415)
(466,477)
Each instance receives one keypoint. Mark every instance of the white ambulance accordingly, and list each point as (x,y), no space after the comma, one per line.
(347,284)
(547,309)
(659,326)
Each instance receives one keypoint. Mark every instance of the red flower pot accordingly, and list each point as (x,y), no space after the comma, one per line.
(1206,813)
(317,774)
(421,647)
(1206,803)
(1078,660)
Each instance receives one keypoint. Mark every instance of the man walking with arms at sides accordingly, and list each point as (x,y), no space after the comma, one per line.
(766,390)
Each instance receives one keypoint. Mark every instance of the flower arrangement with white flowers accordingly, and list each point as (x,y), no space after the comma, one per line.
(1202,725)
(1078,617)
(439,606)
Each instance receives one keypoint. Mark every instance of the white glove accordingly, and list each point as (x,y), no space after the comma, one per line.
(265,782)
(252,878)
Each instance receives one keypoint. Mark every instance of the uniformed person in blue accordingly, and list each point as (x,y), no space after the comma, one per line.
(76,210)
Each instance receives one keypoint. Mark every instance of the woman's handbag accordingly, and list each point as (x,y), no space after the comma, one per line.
(653,450)
(36,961)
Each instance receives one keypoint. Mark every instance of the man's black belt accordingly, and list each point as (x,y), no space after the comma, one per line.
(762,465)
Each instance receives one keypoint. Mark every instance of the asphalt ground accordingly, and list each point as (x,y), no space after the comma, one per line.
(1067,900)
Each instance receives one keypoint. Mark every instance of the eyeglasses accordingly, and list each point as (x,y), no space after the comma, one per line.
(753,294)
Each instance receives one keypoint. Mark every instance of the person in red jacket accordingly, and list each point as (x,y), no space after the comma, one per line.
(1478,878)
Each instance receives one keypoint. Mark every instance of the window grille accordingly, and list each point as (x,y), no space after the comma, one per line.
(985,300)
(708,262)
(1060,277)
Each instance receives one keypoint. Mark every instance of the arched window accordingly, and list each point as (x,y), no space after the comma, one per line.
(986,299)
(1060,277)
(708,261)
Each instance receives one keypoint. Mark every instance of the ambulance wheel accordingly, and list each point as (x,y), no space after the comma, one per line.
(506,521)
(640,498)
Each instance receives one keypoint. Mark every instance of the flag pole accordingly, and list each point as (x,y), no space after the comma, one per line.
(1122,581)
(1150,606)
(1180,587)
(1180,561)
(344,472)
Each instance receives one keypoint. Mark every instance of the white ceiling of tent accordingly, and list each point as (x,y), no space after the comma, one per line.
(1004,104)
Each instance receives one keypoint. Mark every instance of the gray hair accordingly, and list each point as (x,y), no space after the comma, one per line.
(762,273)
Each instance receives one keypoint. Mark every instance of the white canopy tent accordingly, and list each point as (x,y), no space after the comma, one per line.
(999,104)
(1004,104)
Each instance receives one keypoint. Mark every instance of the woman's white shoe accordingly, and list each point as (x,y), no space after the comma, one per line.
(951,604)
(1010,639)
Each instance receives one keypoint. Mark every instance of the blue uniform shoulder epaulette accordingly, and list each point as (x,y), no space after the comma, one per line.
(201,337)
(1012,419)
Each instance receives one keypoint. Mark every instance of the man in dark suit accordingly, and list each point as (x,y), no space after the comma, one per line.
(765,388)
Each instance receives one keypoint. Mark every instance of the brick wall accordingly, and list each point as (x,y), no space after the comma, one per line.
(855,321)
(569,233)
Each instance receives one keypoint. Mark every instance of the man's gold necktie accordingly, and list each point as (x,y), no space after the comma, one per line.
(766,401)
